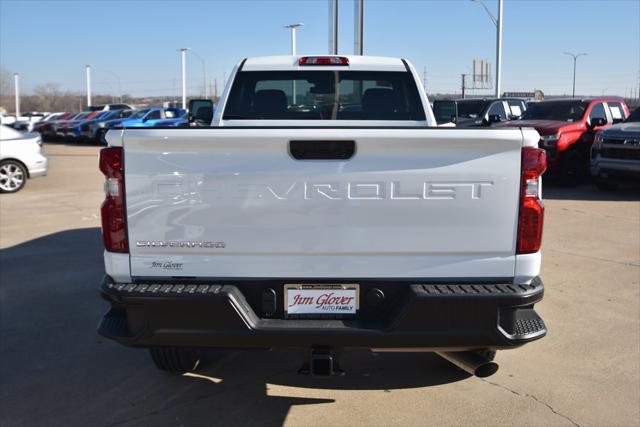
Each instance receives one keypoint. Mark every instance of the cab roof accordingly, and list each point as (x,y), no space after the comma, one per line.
(510,98)
(290,63)
(588,99)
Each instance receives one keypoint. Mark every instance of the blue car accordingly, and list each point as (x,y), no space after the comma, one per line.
(147,117)
(71,130)
(151,117)
(93,130)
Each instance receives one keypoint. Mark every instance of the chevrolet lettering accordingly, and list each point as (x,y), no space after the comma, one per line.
(394,190)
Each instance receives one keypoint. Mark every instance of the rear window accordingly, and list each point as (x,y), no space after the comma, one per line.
(471,109)
(444,111)
(567,111)
(324,95)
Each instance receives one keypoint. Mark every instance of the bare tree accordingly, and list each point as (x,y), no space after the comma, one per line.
(6,88)
(50,97)
(47,97)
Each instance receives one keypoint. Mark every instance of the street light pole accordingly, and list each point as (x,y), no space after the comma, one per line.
(16,82)
(575,57)
(183,56)
(293,53)
(358,45)
(499,50)
(293,27)
(88,70)
(333,27)
(498,23)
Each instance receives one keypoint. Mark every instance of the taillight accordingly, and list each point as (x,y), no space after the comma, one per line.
(323,60)
(114,220)
(531,214)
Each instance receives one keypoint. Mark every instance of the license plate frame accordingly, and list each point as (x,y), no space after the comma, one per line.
(316,290)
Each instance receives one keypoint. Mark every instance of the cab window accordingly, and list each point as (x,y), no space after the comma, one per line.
(598,112)
(497,108)
(154,115)
(517,108)
(617,112)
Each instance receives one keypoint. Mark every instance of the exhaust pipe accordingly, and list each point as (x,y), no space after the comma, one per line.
(470,362)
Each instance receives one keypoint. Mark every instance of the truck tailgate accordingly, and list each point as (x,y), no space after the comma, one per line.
(234,202)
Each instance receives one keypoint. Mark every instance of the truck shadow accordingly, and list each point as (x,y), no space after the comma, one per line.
(364,370)
(56,370)
(260,387)
(74,143)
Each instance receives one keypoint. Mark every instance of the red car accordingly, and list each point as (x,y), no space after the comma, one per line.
(567,128)
(71,129)
(44,127)
(52,131)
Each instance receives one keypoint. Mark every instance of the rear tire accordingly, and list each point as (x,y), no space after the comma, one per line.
(573,168)
(606,185)
(13,176)
(99,139)
(173,359)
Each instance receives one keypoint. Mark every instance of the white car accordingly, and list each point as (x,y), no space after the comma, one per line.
(6,119)
(20,158)
(30,125)
(108,107)
(27,121)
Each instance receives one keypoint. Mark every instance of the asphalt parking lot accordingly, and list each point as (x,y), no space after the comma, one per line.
(55,369)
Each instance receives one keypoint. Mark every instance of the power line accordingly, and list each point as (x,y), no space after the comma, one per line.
(424,78)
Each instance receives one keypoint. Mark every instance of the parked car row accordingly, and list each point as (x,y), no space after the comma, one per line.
(92,125)
(568,129)
(21,155)
(24,122)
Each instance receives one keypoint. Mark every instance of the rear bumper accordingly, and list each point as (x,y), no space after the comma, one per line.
(434,317)
(615,169)
(38,166)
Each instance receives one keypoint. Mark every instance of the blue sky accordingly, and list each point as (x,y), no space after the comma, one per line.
(51,41)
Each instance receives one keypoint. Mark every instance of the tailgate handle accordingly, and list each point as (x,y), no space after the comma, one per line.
(322,150)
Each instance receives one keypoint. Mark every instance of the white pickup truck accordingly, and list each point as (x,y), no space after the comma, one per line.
(322,209)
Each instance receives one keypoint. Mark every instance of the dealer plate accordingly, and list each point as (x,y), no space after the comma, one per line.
(321,299)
